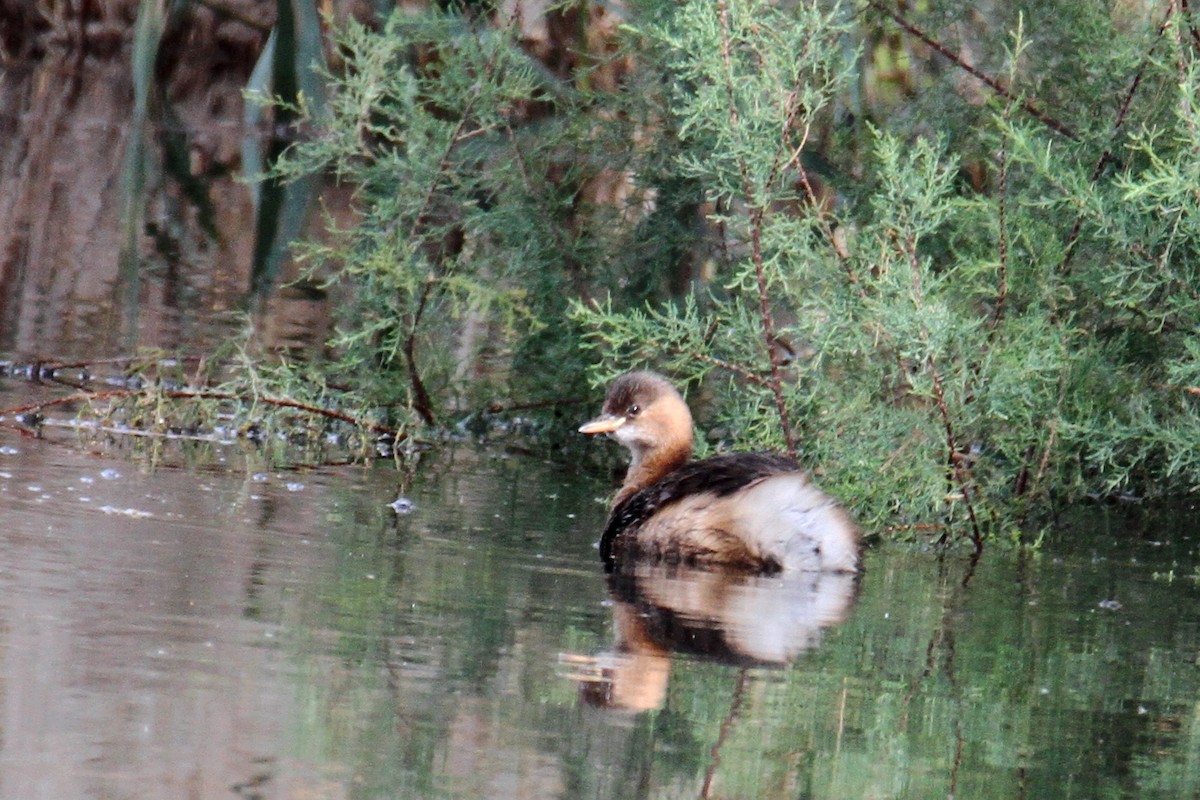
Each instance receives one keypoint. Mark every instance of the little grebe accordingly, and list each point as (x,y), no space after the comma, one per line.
(753,511)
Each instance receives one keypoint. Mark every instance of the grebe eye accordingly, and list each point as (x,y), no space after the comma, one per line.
(633,411)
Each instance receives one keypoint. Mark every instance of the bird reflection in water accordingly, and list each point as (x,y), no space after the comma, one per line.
(726,616)
(738,557)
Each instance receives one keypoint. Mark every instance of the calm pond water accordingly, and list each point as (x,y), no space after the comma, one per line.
(170,632)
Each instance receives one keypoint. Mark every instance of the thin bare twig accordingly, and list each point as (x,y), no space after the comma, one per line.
(1181,67)
(839,249)
(736,369)
(931,527)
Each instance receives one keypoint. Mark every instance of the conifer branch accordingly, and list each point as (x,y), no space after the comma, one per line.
(839,248)
(422,403)
(1107,156)
(1187,14)
(1031,108)
(757,211)
(958,473)
(1002,224)
(729,366)
(1189,112)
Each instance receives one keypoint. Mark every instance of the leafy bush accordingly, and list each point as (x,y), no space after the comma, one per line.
(954,271)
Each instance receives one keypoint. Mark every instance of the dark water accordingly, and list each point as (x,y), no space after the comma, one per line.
(226,632)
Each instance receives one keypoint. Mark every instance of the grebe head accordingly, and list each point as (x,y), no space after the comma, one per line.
(644,412)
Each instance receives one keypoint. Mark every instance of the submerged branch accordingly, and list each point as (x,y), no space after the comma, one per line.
(188,394)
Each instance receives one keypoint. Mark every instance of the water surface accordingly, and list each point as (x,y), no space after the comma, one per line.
(230,631)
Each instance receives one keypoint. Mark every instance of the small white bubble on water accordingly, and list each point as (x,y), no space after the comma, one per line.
(294,486)
(8,450)
(33,487)
(110,474)
(260,477)
(86,479)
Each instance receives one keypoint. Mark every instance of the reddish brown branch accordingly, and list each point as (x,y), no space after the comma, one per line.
(1002,224)
(740,371)
(996,86)
(957,472)
(421,401)
(768,329)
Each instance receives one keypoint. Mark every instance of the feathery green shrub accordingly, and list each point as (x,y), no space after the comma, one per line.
(949,261)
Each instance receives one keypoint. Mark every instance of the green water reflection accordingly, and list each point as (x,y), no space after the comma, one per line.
(218,631)
(442,653)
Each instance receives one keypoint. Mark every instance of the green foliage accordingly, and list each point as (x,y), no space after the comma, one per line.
(450,258)
(957,288)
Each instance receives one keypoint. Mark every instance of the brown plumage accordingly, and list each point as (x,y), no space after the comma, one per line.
(751,511)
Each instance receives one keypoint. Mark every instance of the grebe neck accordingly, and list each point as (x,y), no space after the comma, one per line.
(648,467)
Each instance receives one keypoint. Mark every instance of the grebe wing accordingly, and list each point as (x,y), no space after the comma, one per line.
(745,509)
(716,477)
(788,520)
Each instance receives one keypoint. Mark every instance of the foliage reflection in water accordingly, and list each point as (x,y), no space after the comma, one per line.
(290,635)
